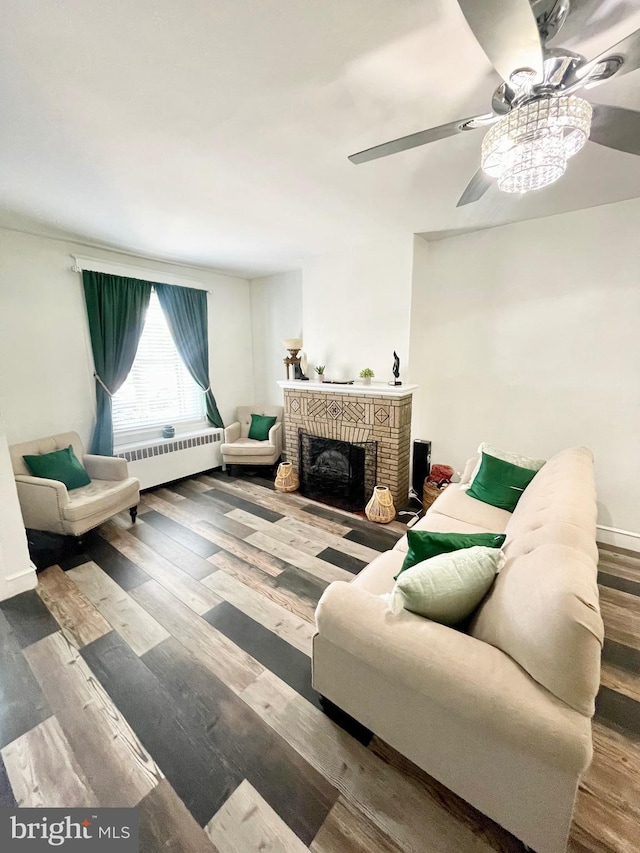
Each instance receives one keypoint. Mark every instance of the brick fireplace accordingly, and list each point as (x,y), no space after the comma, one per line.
(355,413)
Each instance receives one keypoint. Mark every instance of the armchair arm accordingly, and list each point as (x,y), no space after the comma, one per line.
(105,467)
(463,675)
(232,433)
(275,436)
(42,502)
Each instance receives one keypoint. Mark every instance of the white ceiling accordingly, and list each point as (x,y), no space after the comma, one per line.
(216,132)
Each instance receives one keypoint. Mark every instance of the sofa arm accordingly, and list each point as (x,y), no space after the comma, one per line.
(105,467)
(275,436)
(42,502)
(232,433)
(462,675)
(468,470)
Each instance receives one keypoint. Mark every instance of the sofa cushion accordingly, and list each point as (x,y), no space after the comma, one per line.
(500,483)
(543,611)
(99,497)
(457,504)
(424,544)
(447,588)
(538,529)
(248,447)
(62,465)
(440,523)
(379,576)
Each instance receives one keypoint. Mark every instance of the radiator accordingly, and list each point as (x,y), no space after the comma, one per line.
(163,460)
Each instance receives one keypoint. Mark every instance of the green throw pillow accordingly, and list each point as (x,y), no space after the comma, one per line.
(260,426)
(423,544)
(62,465)
(500,483)
(449,587)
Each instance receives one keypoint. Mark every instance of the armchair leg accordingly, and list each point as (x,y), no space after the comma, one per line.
(133,512)
(228,469)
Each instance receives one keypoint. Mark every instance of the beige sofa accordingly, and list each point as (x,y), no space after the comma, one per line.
(500,714)
(239,449)
(47,505)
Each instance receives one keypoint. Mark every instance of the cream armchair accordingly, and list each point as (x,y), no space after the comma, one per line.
(47,505)
(239,449)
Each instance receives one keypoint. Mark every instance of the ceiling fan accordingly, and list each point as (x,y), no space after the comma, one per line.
(537,121)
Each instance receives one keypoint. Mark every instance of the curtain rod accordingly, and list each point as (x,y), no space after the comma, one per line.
(81,262)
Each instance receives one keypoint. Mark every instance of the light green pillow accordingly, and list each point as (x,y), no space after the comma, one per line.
(260,426)
(449,587)
(62,465)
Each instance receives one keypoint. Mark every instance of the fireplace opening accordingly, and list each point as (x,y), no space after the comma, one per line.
(340,473)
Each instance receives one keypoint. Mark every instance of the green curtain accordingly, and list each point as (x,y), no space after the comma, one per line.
(186,311)
(116,308)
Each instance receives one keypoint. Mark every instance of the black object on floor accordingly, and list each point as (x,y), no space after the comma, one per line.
(51,549)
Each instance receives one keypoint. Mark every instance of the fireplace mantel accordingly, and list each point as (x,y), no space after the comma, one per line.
(376,389)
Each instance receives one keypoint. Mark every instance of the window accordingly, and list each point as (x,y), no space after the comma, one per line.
(159,390)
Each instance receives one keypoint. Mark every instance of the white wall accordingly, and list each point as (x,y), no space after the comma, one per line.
(45,356)
(17,573)
(276,313)
(356,308)
(528,336)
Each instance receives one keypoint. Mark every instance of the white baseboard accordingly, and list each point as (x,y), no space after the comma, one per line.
(20,582)
(618,538)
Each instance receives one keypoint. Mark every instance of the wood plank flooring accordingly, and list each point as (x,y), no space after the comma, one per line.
(167,665)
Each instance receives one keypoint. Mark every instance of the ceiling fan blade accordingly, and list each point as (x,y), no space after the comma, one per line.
(507,32)
(615,127)
(623,58)
(423,137)
(476,188)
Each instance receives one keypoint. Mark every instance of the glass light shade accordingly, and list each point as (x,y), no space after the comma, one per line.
(530,146)
(532,165)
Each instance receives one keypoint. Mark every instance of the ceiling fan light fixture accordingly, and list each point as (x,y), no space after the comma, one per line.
(529,147)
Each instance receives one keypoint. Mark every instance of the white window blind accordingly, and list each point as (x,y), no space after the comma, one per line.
(159,389)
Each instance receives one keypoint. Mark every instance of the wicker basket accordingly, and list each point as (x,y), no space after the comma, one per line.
(430,492)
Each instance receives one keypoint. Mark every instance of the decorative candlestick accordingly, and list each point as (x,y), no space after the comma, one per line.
(294,345)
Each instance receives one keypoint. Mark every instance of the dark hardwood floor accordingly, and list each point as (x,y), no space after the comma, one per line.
(166,665)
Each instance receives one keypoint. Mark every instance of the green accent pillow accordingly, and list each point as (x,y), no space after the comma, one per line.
(500,483)
(62,465)
(423,544)
(260,426)
(449,587)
